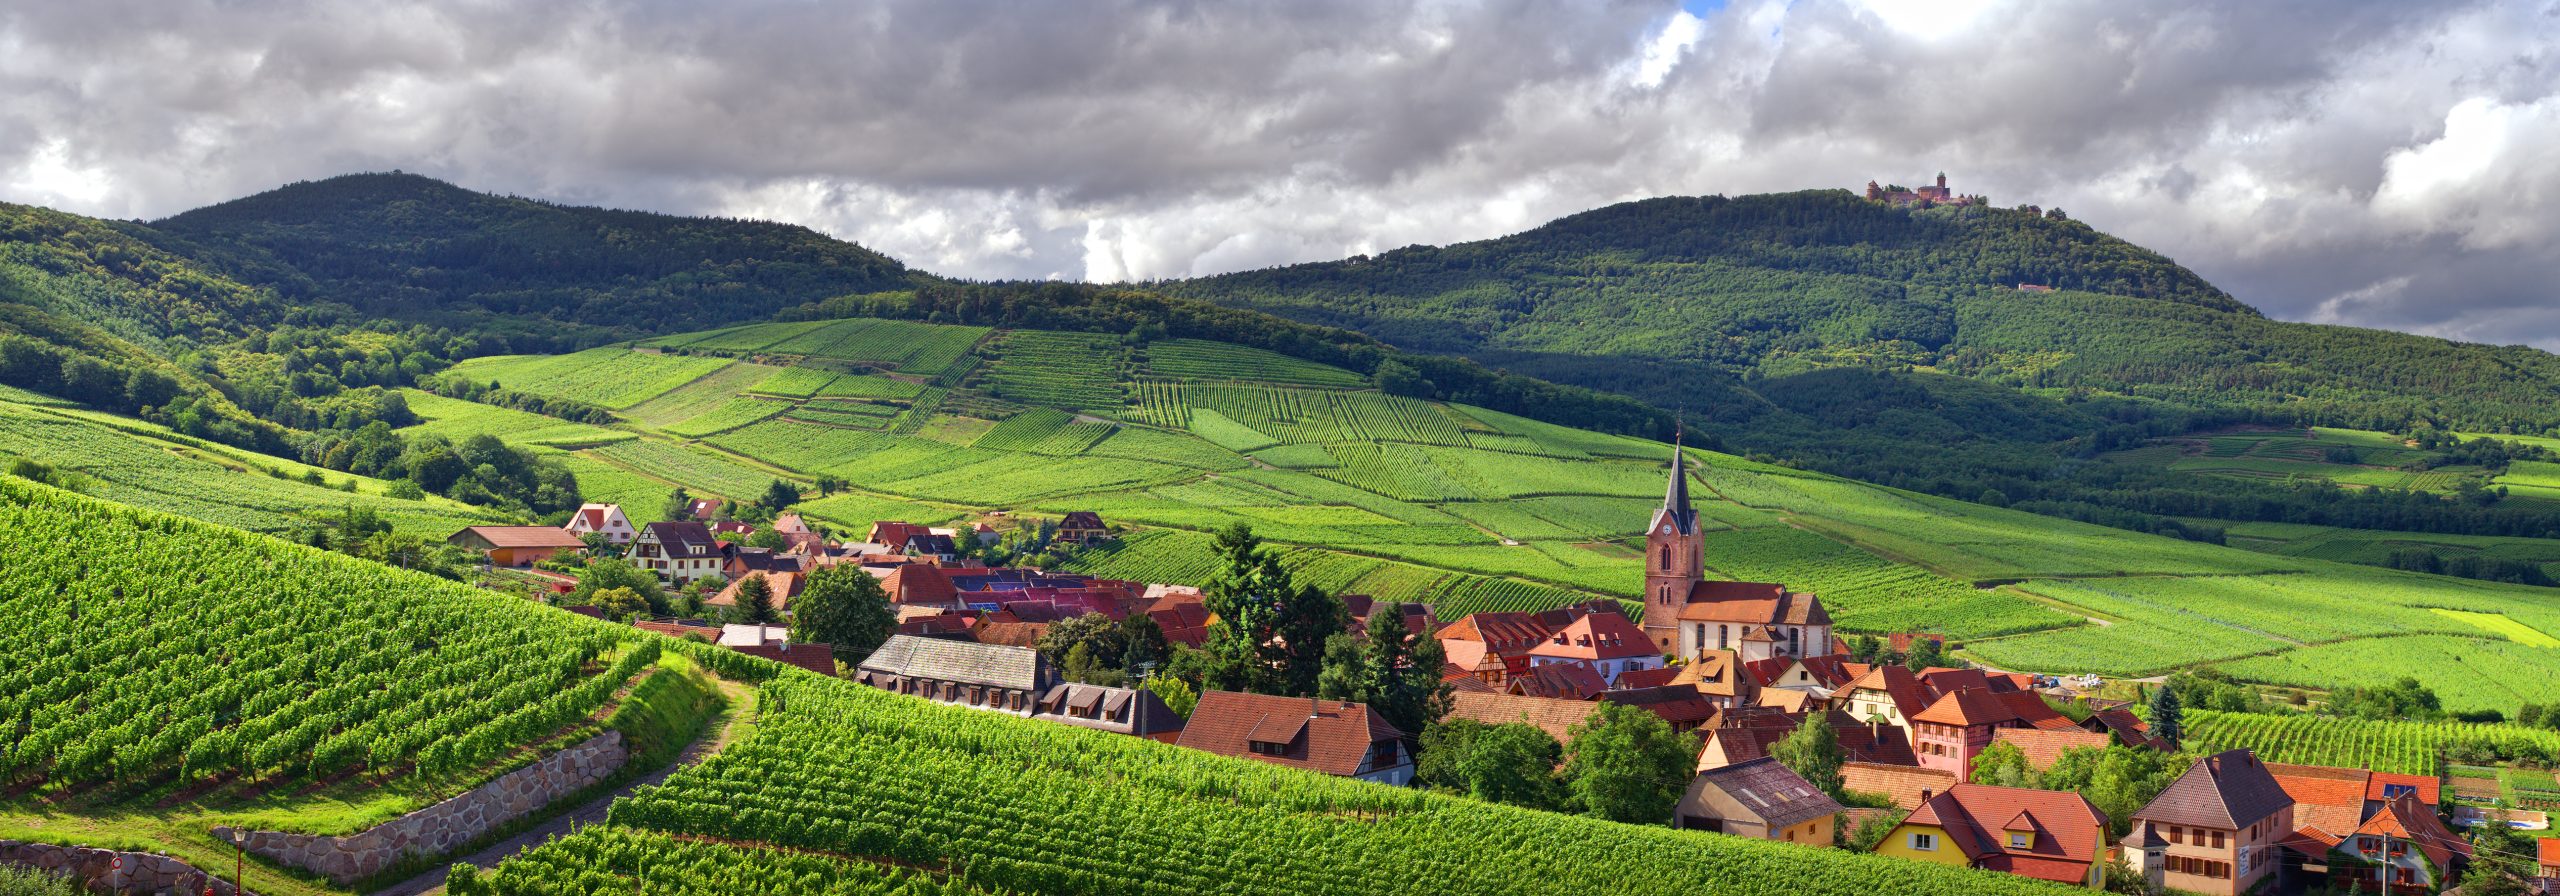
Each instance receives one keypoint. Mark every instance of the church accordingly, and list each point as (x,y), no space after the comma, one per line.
(1686,615)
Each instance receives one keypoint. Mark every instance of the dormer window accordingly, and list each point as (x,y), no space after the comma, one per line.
(2021,840)
(1267,748)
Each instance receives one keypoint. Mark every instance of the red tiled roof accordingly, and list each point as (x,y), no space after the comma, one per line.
(1947,681)
(1645,678)
(1831,670)
(2549,852)
(1742,744)
(819,658)
(1766,672)
(1716,673)
(2430,790)
(2044,747)
(1599,636)
(1328,736)
(2068,829)
(1901,783)
(2031,709)
(1865,742)
(1555,717)
(2327,800)
(1898,685)
(1500,631)
(1966,709)
(920,583)
(1680,705)
(1565,680)
(1009,634)
(1788,699)
(524,536)
(2407,819)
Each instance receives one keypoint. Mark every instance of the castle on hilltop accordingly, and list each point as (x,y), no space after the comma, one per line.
(1924,197)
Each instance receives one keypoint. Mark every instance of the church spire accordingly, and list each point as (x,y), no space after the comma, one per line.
(1675,497)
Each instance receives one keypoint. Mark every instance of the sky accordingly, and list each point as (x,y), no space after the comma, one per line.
(2334,161)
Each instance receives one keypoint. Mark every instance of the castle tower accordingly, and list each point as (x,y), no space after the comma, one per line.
(1942,181)
(1674,557)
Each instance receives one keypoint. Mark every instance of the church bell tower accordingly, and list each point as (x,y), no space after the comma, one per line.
(1674,556)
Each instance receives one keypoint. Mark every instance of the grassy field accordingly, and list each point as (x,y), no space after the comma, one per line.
(1474,509)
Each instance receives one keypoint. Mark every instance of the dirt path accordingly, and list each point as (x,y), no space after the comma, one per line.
(725,731)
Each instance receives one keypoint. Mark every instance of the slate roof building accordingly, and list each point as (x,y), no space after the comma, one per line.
(1760,799)
(1137,712)
(678,553)
(961,673)
(2220,826)
(1329,736)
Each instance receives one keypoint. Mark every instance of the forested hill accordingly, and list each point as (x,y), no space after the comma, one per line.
(1652,298)
(416,249)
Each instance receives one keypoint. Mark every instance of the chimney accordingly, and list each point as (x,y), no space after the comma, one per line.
(1315,709)
(1925,795)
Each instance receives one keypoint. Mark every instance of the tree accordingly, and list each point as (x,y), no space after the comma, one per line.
(2167,722)
(1625,764)
(679,505)
(769,539)
(406,490)
(828,485)
(755,600)
(1813,752)
(1870,833)
(845,607)
(613,572)
(1142,645)
(2004,765)
(1511,763)
(620,603)
(1177,694)
(1925,653)
(1270,633)
(780,494)
(1398,678)
(1345,675)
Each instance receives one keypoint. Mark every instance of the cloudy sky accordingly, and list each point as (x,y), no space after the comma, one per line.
(2361,163)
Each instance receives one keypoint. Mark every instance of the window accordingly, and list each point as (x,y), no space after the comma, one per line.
(2177,834)
(2021,841)
(2217,839)
(2368,844)
(1924,842)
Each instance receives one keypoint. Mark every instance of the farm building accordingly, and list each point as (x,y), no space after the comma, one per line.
(516,545)
(1330,736)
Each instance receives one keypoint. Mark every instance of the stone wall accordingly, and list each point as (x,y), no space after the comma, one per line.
(108,871)
(443,827)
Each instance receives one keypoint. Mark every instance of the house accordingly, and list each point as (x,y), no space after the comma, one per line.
(1417,618)
(702,509)
(605,518)
(784,586)
(1956,728)
(1082,527)
(1136,712)
(894,533)
(679,553)
(2128,729)
(1906,785)
(1684,614)
(2404,843)
(769,642)
(743,561)
(1492,646)
(2044,834)
(1682,707)
(2218,829)
(1718,675)
(1606,642)
(797,534)
(1887,693)
(931,546)
(960,673)
(1329,736)
(922,585)
(1759,799)
(516,545)
(1638,679)
(1555,717)
(2548,857)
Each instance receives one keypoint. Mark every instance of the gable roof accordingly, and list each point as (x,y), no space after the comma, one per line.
(921,583)
(1555,717)
(1898,685)
(1716,673)
(2229,790)
(818,658)
(1779,796)
(1599,636)
(1081,519)
(682,541)
(1741,744)
(2407,819)
(1869,742)
(1967,708)
(930,543)
(2031,709)
(1655,677)
(1757,603)
(1503,632)
(1978,818)
(505,537)
(1681,706)
(1568,680)
(966,662)
(1328,736)
(2382,786)
(2044,747)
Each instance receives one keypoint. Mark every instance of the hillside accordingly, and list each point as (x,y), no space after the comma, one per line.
(411,248)
(1459,505)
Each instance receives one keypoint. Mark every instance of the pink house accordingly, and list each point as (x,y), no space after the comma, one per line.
(1606,641)
(1957,727)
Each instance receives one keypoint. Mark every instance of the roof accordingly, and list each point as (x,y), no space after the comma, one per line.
(1675,497)
(1328,736)
(2044,747)
(1901,783)
(1869,742)
(1742,744)
(1898,685)
(2128,728)
(2385,785)
(1599,636)
(2327,800)
(918,583)
(1680,705)
(1716,673)
(1778,795)
(1830,670)
(2228,790)
(2407,819)
(1788,699)
(1081,519)
(1966,709)
(783,585)
(1569,680)
(504,537)
(2549,851)
(966,662)
(790,524)
(819,658)
(682,540)
(929,543)
(1979,817)
(1500,631)
(1135,711)
(2031,709)
(1645,678)
(1555,717)
(894,533)
(1009,634)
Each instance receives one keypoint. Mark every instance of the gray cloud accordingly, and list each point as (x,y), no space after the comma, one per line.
(2368,163)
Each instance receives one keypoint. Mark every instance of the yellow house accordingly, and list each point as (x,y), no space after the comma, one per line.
(1759,799)
(2043,834)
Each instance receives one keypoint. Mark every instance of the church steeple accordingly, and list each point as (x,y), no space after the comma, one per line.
(1675,554)
(1675,497)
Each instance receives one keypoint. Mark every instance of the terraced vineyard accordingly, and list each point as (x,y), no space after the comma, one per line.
(609,377)
(2414,748)
(1067,370)
(1202,361)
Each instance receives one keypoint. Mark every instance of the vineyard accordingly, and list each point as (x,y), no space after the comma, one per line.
(2414,748)
(610,377)
(209,652)
(1017,806)
(1067,370)
(1198,360)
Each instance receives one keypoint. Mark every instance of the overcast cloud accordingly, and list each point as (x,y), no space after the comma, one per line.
(2381,164)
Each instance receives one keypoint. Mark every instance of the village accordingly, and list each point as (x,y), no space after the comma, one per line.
(1802,734)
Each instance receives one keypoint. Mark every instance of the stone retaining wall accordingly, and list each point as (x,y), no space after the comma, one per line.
(443,827)
(108,871)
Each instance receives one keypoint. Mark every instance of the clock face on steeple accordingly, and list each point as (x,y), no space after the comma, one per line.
(1666,528)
